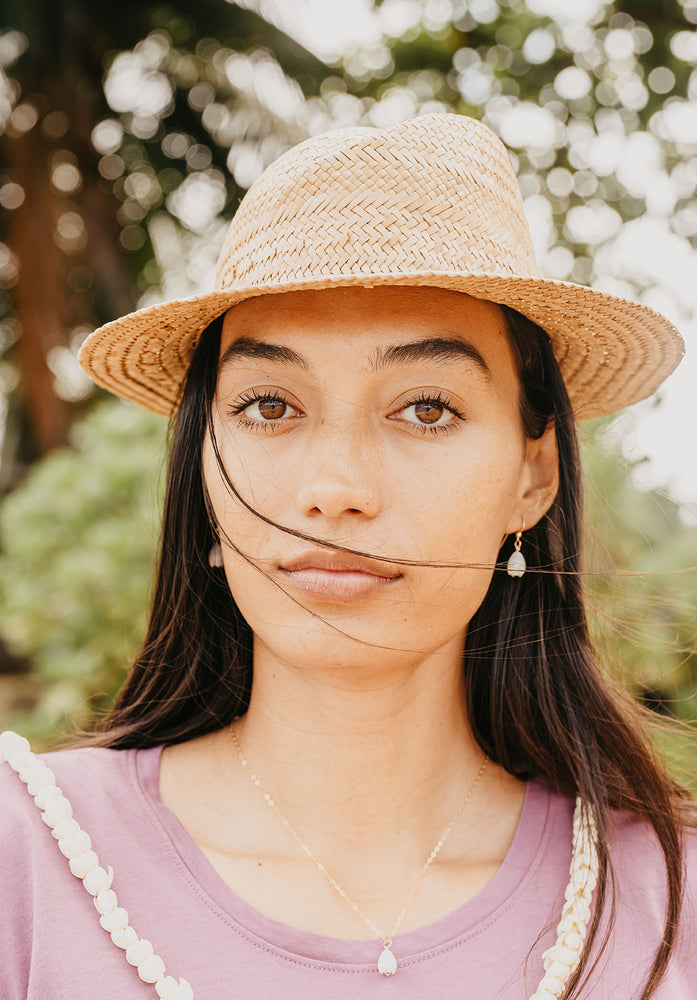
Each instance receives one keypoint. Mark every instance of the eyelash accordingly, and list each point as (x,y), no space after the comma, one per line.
(248,399)
(440,399)
(431,396)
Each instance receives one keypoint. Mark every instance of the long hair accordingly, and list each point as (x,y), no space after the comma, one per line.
(539,704)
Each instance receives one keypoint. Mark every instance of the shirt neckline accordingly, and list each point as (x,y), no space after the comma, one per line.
(499,894)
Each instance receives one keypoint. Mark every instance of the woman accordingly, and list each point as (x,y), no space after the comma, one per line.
(391,763)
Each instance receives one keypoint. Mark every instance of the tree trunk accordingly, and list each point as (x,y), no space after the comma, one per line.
(39,293)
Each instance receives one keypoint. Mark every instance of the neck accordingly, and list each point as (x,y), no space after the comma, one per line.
(355,749)
(369,766)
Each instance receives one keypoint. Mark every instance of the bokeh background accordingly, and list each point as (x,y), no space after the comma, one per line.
(129,133)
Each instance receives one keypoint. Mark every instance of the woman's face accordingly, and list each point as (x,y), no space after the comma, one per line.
(384,420)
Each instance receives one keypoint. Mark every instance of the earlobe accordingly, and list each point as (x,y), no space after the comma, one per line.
(540,481)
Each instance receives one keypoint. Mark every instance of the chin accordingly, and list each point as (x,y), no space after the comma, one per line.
(351,647)
(386,631)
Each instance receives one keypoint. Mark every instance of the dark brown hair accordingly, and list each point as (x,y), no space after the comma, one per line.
(539,704)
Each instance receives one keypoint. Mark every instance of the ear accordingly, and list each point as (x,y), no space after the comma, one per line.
(539,481)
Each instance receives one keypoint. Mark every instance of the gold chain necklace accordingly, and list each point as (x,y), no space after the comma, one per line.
(387,963)
(560,961)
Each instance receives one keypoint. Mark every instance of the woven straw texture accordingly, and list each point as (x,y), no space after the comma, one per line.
(432,201)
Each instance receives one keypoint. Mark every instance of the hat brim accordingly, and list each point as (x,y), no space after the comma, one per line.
(612,352)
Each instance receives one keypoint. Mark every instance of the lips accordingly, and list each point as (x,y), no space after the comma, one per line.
(339,576)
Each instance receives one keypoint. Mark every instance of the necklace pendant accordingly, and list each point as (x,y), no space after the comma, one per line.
(387,963)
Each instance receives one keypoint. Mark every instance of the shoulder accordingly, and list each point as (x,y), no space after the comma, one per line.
(637,856)
(65,805)
(39,795)
(634,841)
(642,891)
(69,766)
(98,783)
(690,872)
(68,821)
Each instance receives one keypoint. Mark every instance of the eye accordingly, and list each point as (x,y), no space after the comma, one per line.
(428,412)
(259,410)
(269,408)
(431,411)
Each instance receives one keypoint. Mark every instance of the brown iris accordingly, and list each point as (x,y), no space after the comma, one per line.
(428,413)
(271,409)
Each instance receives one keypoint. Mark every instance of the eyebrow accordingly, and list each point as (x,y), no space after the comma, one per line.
(438,349)
(260,350)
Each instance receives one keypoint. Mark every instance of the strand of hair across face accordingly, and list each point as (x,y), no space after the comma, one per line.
(550,568)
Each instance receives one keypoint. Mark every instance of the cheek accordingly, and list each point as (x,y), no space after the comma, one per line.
(461,511)
(254,477)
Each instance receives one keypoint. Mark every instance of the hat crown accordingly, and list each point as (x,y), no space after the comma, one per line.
(435,194)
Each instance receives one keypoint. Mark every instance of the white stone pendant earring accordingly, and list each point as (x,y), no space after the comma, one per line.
(516,565)
(215,556)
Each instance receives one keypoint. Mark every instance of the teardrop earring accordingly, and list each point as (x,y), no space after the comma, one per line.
(516,564)
(215,556)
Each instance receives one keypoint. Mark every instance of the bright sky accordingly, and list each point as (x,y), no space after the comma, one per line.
(663,430)
(326,27)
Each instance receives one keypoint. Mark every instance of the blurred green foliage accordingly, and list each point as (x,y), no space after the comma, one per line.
(77,546)
(641,557)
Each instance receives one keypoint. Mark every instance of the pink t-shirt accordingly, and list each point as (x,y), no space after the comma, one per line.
(53,948)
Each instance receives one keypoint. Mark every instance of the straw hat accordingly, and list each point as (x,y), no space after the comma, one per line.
(432,201)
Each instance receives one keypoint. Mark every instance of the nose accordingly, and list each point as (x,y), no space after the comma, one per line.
(340,473)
